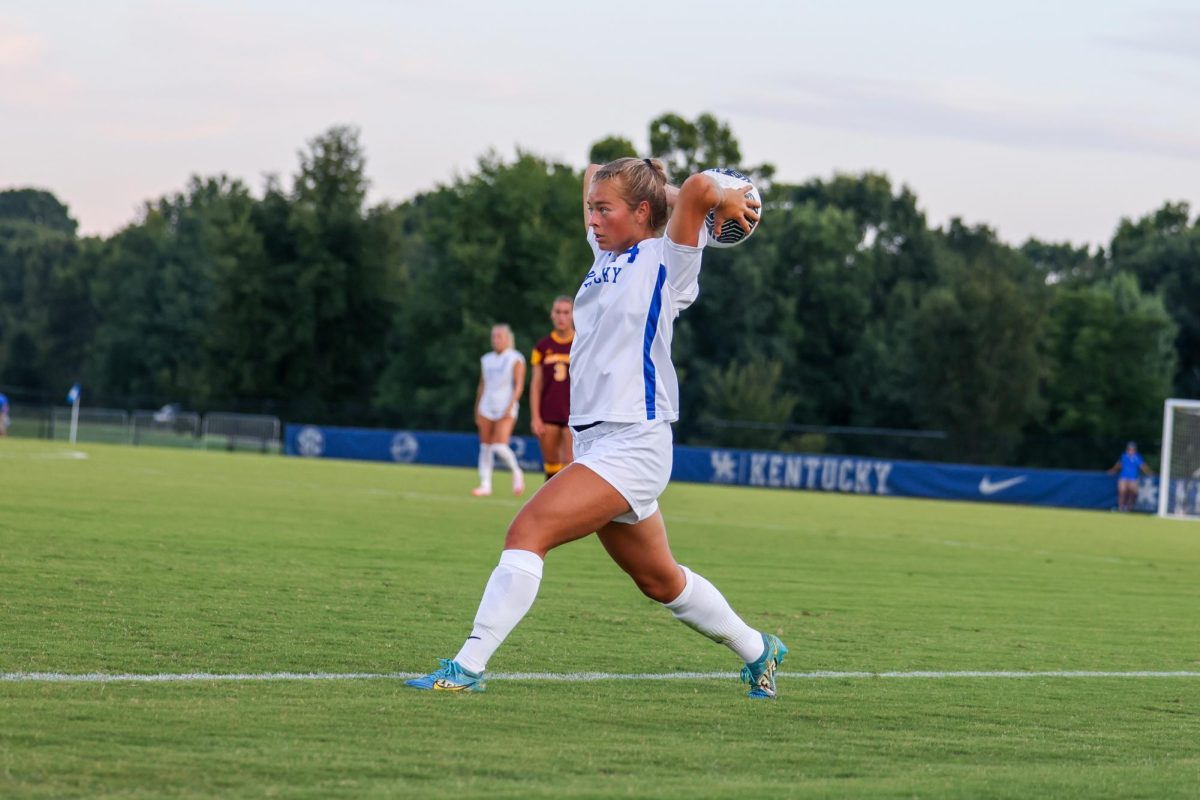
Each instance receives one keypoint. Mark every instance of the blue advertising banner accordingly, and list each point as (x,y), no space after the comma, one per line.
(403,447)
(1183,496)
(822,473)
(854,475)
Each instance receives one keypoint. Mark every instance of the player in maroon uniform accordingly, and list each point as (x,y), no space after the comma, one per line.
(550,388)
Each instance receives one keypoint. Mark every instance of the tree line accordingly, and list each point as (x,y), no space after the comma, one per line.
(846,311)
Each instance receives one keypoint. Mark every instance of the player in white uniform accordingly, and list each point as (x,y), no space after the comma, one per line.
(624,395)
(497,400)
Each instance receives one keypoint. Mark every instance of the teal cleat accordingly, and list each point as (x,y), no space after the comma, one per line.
(761,674)
(450,677)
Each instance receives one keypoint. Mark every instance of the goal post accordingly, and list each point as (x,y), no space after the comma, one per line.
(1179,475)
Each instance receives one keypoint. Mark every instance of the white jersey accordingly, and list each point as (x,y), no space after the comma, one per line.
(625,312)
(497,399)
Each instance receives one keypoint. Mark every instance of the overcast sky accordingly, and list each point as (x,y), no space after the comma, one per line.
(1051,119)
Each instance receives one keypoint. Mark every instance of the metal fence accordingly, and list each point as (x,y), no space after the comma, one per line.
(161,428)
(107,425)
(175,429)
(259,432)
(33,422)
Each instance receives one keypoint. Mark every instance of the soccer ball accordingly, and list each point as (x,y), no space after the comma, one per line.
(731,232)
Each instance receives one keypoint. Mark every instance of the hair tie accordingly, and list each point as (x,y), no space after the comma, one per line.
(649,163)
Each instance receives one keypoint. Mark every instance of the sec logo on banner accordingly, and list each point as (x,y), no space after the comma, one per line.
(310,442)
(404,448)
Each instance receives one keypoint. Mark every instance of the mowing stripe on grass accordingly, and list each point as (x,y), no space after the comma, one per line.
(553,677)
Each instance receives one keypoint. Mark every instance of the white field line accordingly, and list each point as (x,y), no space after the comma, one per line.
(552,677)
(72,455)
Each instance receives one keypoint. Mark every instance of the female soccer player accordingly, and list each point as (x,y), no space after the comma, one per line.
(501,381)
(624,397)
(1130,465)
(550,388)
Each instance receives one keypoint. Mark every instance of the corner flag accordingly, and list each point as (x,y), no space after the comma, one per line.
(73,399)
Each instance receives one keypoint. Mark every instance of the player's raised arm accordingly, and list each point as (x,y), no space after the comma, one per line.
(701,194)
(672,193)
(588,174)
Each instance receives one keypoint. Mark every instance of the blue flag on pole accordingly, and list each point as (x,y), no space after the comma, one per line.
(73,395)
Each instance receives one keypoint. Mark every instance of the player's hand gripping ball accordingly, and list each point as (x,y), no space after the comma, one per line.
(731,232)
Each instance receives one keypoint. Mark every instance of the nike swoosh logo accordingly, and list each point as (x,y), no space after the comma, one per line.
(986,487)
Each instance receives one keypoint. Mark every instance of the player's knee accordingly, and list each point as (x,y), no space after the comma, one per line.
(660,588)
(525,533)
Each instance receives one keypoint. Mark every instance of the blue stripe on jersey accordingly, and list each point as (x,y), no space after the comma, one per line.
(648,339)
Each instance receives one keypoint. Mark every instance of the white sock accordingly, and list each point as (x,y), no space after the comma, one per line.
(702,608)
(485,466)
(506,598)
(508,457)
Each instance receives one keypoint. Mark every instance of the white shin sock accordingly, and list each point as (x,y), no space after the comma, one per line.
(508,457)
(702,608)
(485,466)
(509,593)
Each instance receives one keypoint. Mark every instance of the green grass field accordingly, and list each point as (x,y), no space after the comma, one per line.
(149,561)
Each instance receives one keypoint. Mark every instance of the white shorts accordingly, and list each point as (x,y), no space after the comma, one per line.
(496,412)
(633,457)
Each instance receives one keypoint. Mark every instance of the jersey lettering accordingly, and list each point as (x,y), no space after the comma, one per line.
(605,275)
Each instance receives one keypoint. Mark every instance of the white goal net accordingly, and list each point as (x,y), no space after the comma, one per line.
(1179,481)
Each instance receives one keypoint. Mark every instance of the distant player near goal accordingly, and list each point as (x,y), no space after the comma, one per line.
(624,397)
(501,381)
(550,387)
(3,415)
(1129,466)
